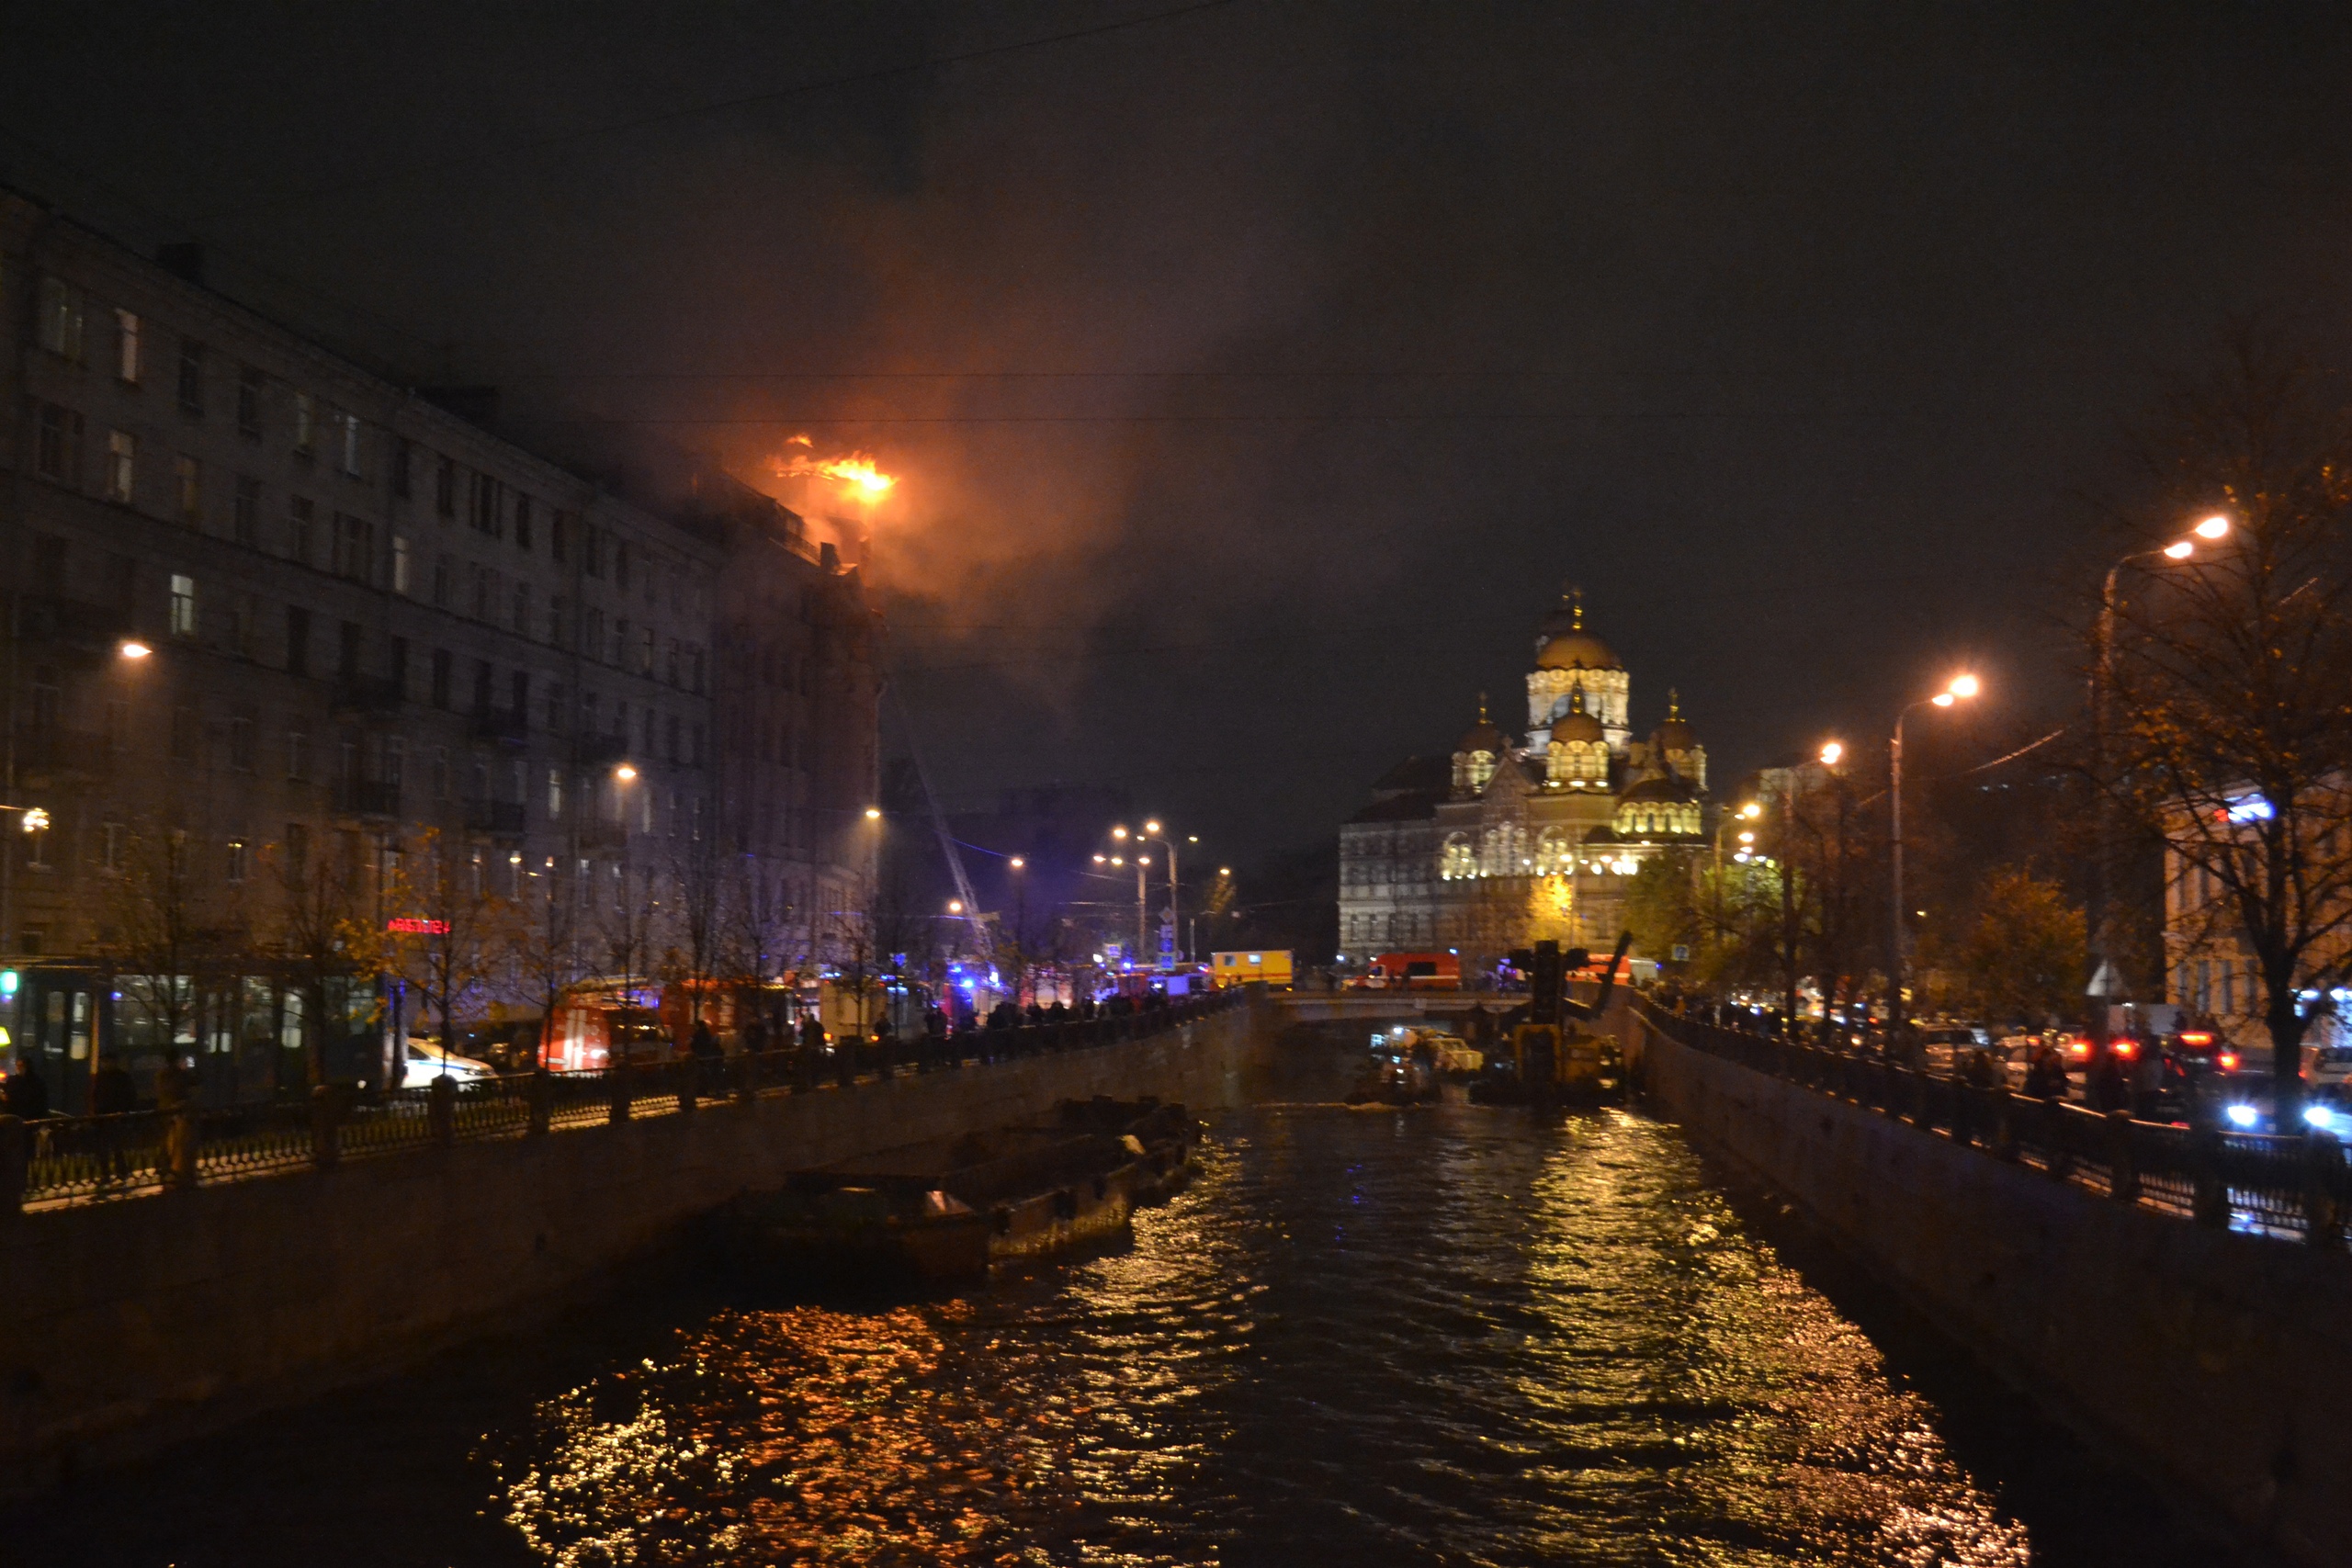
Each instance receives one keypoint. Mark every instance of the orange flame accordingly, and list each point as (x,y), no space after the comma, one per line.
(855,469)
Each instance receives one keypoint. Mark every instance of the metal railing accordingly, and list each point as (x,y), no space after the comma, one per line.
(56,1161)
(2270,1185)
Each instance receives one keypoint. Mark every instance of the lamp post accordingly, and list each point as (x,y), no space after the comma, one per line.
(1961,688)
(2103,977)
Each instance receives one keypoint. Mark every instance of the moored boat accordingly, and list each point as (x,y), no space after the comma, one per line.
(945,1210)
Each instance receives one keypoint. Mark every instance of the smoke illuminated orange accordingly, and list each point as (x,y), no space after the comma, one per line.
(855,469)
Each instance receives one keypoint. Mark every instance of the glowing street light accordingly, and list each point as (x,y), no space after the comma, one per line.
(1960,688)
(1017,863)
(35,820)
(625,772)
(1831,753)
(874,814)
(132,647)
(955,905)
(2213,527)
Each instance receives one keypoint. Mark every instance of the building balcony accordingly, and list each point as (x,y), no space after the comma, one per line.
(502,817)
(367,694)
(48,752)
(508,725)
(367,797)
(69,624)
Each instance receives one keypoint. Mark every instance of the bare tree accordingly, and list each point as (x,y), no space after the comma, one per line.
(544,948)
(2227,678)
(161,931)
(462,931)
(698,918)
(321,937)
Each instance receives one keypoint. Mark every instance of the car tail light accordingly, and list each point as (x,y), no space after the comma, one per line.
(2127,1049)
(2080,1049)
(2229,1061)
(2198,1040)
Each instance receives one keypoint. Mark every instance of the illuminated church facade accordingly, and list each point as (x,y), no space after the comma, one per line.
(1517,837)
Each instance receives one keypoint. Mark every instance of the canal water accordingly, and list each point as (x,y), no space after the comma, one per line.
(1442,1336)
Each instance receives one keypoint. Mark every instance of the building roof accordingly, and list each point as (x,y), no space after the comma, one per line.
(1578,724)
(1405,807)
(1662,786)
(1675,734)
(1483,736)
(1416,773)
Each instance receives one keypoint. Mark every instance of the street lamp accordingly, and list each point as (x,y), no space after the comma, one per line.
(1153,833)
(1961,688)
(132,647)
(2103,979)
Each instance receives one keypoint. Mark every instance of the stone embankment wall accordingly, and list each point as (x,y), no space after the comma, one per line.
(128,1326)
(2220,1363)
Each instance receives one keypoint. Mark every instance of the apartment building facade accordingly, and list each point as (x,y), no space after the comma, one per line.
(278,611)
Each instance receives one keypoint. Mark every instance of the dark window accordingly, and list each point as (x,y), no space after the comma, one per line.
(47,697)
(444,487)
(49,563)
(403,455)
(672,748)
(354,547)
(559,536)
(481,685)
(522,695)
(185,727)
(346,656)
(299,545)
(592,562)
(192,378)
(122,580)
(58,455)
(694,756)
(297,847)
(620,565)
(396,665)
(297,641)
(522,521)
(440,677)
(247,515)
(241,745)
(249,382)
(487,503)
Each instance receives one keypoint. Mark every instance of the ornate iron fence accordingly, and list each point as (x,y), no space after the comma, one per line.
(60,1160)
(2271,1185)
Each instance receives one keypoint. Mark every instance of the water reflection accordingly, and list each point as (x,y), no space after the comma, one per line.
(1435,1337)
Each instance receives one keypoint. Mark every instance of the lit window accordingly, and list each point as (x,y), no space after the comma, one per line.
(58,318)
(183,605)
(399,564)
(189,472)
(123,464)
(126,347)
(235,870)
(306,424)
(555,793)
(114,839)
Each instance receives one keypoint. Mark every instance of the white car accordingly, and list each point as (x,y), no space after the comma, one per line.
(428,1061)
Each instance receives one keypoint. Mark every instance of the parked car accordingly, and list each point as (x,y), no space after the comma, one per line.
(428,1061)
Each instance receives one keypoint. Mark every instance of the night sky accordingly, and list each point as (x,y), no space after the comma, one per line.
(1257,373)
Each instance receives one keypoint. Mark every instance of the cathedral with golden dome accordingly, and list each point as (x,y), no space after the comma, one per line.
(1512,839)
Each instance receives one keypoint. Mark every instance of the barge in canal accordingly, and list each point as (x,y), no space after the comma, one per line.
(945,1210)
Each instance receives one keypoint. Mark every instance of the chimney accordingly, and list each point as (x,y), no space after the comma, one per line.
(184,258)
(828,556)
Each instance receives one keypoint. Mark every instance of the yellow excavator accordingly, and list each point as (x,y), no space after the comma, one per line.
(1554,1058)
